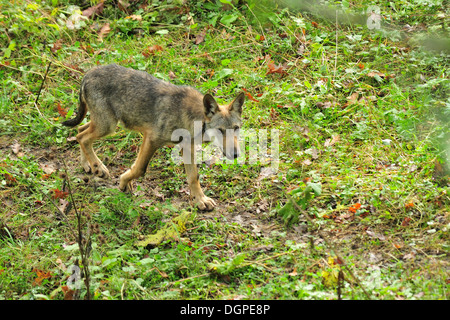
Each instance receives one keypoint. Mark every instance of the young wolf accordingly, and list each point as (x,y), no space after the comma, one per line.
(156,109)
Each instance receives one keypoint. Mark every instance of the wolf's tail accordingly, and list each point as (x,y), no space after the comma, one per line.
(81,113)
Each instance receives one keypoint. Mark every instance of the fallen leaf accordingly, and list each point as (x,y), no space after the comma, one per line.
(41,275)
(293,273)
(306,162)
(276,69)
(314,24)
(57,45)
(104,31)
(47,168)
(352,98)
(273,113)
(332,141)
(152,50)
(354,207)
(63,205)
(323,105)
(58,194)
(172,75)
(313,152)
(123,5)
(409,205)
(266,172)
(94,10)
(200,37)
(375,235)
(68,293)
(249,95)
(10,180)
(406,221)
(373,74)
(15,148)
(135,17)
(61,110)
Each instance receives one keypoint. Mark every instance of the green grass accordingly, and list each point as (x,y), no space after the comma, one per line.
(367,120)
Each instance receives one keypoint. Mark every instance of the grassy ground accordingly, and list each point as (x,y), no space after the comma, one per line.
(362,116)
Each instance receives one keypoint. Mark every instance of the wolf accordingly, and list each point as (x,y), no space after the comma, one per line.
(155,108)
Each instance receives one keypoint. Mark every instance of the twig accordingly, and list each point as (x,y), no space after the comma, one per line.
(42,85)
(335,58)
(329,244)
(84,251)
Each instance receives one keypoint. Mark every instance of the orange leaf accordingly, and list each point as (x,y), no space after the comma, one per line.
(276,69)
(314,24)
(354,207)
(41,275)
(68,293)
(58,194)
(61,110)
(152,50)
(249,95)
(409,205)
(406,221)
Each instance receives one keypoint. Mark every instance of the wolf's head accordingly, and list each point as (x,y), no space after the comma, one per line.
(224,122)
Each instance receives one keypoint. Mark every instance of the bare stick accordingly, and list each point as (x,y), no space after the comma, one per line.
(42,83)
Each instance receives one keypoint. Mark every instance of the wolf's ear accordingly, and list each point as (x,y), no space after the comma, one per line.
(210,104)
(237,103)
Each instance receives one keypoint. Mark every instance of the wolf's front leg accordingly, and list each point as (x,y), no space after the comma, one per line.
(203,202)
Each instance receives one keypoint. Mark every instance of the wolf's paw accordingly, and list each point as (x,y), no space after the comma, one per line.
(204,203)
(86,167)
(100,170)
(128,188)
(125,185)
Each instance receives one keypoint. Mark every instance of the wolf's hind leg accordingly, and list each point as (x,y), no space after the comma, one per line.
(88,133)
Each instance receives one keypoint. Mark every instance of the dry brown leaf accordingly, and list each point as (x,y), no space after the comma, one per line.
(47,168)
(15,148)
(104,31)
(376,73)
(57,45)
(63,204)
(332,141)
(94,10)
(123,5)
(200,37)
(353,98)
(172,75)
(135,17)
